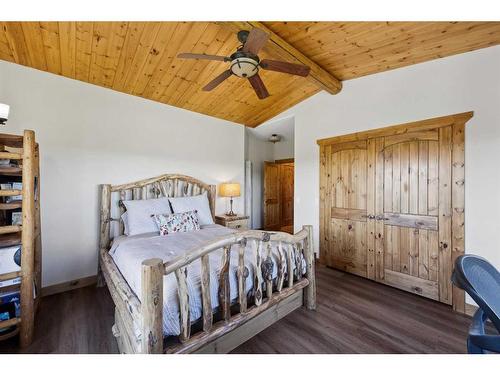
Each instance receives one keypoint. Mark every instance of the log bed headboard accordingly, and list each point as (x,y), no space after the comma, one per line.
(166,185)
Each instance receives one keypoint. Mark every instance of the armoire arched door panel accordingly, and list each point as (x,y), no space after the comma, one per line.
(346,197)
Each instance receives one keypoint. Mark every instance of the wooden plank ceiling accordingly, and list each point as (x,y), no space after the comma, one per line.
(139,58)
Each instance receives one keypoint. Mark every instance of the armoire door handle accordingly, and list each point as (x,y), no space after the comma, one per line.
(371,217)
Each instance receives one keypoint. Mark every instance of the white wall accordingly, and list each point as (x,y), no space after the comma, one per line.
(89,135)
(258,150)
(284,149)
(285,128)
(441,87)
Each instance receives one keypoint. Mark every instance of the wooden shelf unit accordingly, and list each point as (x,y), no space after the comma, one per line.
(24,150)
(11,205)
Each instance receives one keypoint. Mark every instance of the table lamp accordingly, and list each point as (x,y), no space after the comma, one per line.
(230,189)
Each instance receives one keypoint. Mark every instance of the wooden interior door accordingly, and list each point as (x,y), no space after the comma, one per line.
(346,202)
(286,171)
(271,196)
(409,168)
(278,195)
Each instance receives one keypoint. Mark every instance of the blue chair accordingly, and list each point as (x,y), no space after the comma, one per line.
(481,281)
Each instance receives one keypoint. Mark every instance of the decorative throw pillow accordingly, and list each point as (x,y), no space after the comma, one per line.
(196,202)
(139,214)
(177,223)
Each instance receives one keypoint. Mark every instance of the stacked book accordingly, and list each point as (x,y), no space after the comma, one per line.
(10,261)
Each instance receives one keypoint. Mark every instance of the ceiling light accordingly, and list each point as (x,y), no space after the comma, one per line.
(274,138)
(244,67)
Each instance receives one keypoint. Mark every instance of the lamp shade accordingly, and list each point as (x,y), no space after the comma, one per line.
(231,189)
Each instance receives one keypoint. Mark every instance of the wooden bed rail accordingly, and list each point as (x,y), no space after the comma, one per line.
(291,250)
(229,240)
(128,308)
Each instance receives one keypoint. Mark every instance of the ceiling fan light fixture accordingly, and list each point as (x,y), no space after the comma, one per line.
(245,62)
(244,67)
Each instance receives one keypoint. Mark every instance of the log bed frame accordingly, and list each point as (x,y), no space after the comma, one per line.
(138,324)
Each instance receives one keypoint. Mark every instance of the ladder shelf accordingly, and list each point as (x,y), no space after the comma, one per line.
(23,166)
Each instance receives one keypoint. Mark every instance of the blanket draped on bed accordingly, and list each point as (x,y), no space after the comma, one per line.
(128,252)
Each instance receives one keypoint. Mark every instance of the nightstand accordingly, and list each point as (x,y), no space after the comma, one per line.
(234,222)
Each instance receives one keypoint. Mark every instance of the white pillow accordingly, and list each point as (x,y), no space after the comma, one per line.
(198,203)
(139,214)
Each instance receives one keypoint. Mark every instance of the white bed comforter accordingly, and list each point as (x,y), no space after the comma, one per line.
(129,252)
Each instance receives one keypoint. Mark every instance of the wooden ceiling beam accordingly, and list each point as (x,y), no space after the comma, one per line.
(277,45)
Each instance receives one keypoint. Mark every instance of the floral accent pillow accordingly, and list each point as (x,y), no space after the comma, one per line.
(177,223)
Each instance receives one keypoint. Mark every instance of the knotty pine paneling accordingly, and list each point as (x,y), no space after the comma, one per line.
(139,58)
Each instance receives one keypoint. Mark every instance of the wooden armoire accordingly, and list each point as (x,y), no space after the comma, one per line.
(392,205)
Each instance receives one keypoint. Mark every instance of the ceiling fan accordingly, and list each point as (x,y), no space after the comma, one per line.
(245,62)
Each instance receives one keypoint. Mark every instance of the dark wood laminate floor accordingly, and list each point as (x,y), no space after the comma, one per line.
(354,315)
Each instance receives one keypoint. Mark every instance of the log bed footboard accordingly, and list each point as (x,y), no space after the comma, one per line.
(138,324)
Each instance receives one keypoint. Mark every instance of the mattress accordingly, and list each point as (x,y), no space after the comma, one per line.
(128,252)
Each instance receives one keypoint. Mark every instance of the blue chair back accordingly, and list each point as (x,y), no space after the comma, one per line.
(481,280)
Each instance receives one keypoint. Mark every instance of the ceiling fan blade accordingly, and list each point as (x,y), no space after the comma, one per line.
(217,80)
(202,56)
(255,41)
(285,67)
(259,86)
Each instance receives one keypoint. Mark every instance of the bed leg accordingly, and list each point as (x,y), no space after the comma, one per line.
(310,290)
(152,306)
